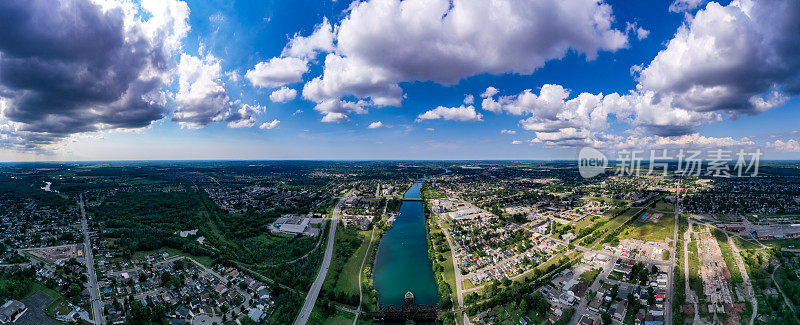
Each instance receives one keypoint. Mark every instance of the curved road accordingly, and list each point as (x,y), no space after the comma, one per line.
(777,286)
(361,271)
(313,293)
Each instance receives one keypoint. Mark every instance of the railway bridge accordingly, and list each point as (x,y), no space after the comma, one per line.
(409,313)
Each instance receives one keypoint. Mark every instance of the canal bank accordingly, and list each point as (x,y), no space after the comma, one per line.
(402,263)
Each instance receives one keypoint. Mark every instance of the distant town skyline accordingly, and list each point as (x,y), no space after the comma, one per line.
(94,80)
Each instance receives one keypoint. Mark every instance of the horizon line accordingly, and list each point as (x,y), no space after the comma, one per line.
(323,160)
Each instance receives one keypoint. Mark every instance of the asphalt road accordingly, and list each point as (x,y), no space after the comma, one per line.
(672,261)
(94,291)
(583,306)
(313,293)
(456,272)
(360,271)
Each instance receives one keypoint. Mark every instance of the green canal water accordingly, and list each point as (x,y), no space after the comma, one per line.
(402,263)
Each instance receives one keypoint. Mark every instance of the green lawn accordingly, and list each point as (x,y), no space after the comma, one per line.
(555,259)
(612,225)
(695,283)
(278,248)
(338,318)
(793,243)
(349,242)
(664,206)
(510,314)
(448,274)
(613,211)
(59,305)
(430,193)
(651,231)
(588,277)
(727,254)
(605,199)
(614,275)
(205,260)
(745,244)
(466,284)
(217,233)
(586,222)
(348,281)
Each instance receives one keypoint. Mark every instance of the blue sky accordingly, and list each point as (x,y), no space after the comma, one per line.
(697,84)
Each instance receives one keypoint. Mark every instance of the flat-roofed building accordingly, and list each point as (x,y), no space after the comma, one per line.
(11,311)
(466,213)
(291,224)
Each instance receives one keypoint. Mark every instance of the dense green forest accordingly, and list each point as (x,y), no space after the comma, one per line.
(15,286)
(27,189)
(142,221)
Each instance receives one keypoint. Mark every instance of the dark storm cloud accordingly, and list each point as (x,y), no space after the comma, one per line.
(69,66)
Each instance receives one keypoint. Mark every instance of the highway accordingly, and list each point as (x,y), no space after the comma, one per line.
(313,293)
(94,291)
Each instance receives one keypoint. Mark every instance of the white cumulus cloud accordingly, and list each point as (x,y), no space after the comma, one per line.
(244,117)
(269,125)
(321,40)
(277,72)
(294,60)
(283,95)
(743,58)
(555,117)
(381,43)
(790,145)
(722,62)
(469,99)
(461,113)
(335,110)
(201,98)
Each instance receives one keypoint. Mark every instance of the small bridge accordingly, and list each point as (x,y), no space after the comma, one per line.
(412,199)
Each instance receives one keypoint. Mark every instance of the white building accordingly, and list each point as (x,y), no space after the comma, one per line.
(464,214)
(291,224)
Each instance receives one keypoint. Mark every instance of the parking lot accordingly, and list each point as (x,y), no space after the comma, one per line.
(36,304)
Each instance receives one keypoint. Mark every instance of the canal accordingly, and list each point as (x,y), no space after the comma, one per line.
(402,263)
